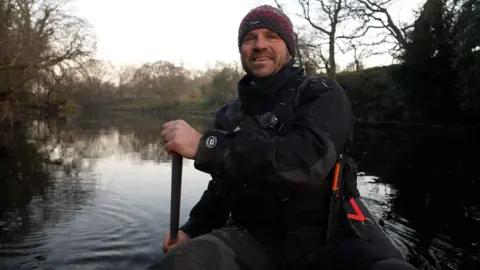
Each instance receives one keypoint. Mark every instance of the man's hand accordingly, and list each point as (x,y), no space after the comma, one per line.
(181,237)
(181,138)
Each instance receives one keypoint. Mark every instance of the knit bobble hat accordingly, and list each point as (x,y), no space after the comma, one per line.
(269,17)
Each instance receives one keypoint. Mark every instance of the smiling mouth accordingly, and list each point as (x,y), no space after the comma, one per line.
(261,59)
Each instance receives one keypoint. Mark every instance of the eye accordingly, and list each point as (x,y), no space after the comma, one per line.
(272,35)
(248,38)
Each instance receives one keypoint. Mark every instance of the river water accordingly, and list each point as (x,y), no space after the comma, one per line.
(94,192)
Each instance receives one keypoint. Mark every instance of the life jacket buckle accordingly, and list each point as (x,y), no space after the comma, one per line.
(283,194)
(267,120)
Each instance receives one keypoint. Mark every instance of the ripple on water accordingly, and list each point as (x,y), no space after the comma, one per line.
(405,239)
(116,233)
(25,252)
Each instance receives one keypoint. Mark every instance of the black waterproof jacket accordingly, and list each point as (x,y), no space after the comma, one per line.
(273,180)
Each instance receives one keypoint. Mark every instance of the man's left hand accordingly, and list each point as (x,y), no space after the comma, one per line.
(181,138)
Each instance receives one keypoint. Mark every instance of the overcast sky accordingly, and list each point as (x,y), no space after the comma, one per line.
(198,33)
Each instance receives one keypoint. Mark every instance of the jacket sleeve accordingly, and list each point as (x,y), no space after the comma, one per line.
(207,215)
(321,126)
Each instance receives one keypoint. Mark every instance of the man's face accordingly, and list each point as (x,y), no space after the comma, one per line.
(263,53)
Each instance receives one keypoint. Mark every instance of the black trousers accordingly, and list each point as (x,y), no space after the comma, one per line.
(235,249)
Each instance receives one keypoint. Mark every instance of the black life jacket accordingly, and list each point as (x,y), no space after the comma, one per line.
(277,206)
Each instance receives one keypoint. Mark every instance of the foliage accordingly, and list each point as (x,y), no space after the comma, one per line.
(38,39)
(372,93)
(46,64)
(436,76)
(467,61)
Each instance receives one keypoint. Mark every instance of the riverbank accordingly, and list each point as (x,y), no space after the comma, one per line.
(197,108)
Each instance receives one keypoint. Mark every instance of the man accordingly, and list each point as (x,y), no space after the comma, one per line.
(272,156)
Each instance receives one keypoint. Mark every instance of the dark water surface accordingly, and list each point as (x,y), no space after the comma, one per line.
(92,193)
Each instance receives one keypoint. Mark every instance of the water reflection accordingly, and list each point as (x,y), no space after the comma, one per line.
(95,191)
(87,192)
(433,208)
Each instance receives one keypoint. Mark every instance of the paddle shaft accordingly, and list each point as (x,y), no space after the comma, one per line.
(177,161)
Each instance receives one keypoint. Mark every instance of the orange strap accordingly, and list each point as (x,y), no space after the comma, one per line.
(336,175)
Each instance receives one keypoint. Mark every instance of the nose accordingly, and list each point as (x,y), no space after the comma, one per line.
(261,43)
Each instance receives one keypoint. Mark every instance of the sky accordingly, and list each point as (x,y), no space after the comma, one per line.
(192,32)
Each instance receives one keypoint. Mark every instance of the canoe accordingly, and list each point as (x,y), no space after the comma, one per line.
(364,223)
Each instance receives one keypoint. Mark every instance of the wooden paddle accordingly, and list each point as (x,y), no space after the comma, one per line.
(177,165)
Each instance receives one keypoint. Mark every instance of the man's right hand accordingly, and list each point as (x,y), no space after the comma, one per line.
(181,237)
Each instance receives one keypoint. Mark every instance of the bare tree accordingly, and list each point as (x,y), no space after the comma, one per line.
(329,20)
(35,37)
(308,52)
(125,75)
(312,51)
(330,14)
(359,53)
(93,83)
(374,14)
